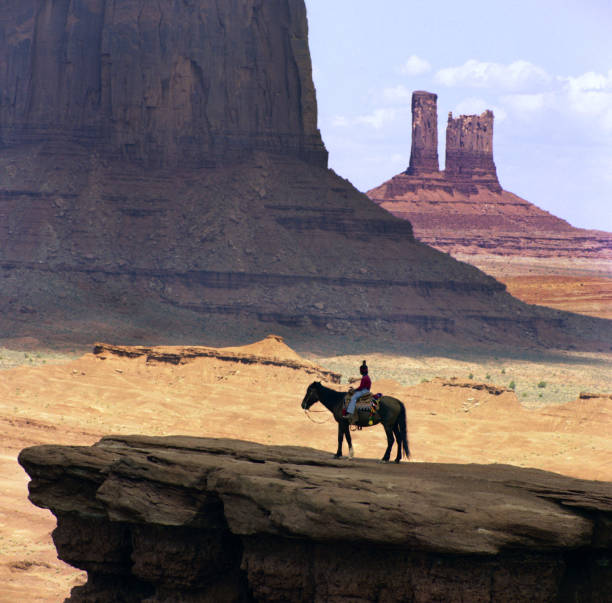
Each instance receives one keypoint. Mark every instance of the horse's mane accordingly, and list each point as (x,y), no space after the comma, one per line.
(330,395)
(328,390)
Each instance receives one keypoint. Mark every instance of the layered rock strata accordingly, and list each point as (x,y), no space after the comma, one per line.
(449,217)
(182,355)
(192,519)
(168,183)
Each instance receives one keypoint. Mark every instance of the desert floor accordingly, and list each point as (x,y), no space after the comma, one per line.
(72,398)
(581,285)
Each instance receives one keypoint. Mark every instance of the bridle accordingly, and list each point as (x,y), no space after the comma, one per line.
(308,412)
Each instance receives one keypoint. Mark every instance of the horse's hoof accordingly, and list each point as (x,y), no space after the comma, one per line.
(383,461)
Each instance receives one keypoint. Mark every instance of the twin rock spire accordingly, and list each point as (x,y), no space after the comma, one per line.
(469,143)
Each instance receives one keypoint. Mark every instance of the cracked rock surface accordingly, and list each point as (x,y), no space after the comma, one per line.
(199,519)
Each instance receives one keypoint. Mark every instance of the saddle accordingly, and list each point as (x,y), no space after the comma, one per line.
(367,402)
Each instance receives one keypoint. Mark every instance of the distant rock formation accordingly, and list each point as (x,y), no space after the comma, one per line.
(162,179)
(469,149)
(464,210)
(194,519)
(424,152)
(282,355)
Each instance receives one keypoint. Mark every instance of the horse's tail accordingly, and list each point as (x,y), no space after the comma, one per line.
(403,429)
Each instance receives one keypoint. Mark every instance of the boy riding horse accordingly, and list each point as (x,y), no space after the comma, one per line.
(364,387)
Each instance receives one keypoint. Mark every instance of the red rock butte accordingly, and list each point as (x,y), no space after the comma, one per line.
(463,210)
(463,207)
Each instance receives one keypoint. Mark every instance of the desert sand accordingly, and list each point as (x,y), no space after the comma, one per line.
(581,285)
(459,411)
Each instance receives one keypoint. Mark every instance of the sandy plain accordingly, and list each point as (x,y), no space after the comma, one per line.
(579,284)
(76,398)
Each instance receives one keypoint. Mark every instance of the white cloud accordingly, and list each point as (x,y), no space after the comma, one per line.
(526,93)
(397,94)
(526,103)
(415,65)
(378,118)
(478,74)
(590,94)
(590,81)
(340,121)
(475,106)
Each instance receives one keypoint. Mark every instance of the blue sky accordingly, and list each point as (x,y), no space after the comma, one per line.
(543,67)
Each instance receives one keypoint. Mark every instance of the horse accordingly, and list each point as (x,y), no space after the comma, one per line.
(391,413)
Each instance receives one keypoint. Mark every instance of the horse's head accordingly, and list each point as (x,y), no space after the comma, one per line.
(311,396)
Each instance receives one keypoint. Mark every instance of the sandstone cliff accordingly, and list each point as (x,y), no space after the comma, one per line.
(165,83)
(162,180)
(192,519)
(424,151)
(469,150)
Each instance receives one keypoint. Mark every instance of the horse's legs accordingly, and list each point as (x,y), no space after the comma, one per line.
(349,441)
(390,440)
(340,438)
(398,439)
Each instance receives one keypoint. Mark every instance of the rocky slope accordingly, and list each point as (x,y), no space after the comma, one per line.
(467,218)
(168,183)
(192,519)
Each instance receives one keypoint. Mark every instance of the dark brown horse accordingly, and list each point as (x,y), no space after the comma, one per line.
(391,413)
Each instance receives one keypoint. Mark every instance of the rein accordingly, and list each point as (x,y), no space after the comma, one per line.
(308,411)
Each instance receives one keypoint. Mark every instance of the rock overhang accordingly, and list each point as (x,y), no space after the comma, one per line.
(164,512)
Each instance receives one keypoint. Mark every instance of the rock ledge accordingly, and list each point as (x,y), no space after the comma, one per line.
(197,519)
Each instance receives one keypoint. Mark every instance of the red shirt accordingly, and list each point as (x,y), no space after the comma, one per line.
(365,383)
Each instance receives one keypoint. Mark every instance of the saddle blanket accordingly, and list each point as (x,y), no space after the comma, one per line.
(368,402)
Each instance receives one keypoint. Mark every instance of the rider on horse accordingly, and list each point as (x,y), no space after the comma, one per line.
(364,387)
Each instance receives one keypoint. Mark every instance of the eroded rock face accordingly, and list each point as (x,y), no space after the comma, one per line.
(192,519)
(182,355)
(424,152)
(166,83)
(469,149)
